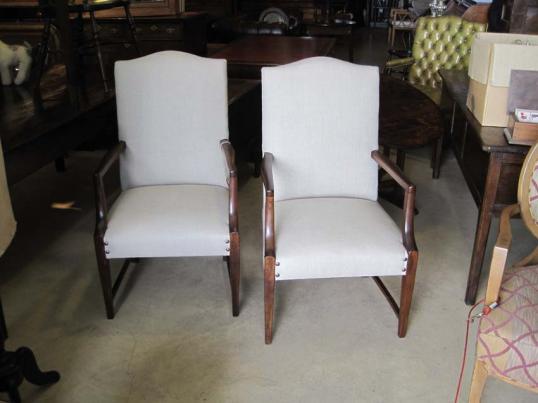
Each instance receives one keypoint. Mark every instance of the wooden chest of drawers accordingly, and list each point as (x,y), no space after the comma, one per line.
(186,32)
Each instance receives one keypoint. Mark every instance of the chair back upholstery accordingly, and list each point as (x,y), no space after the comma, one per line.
(172,113)
(441,43)
(527,192)
(320,122)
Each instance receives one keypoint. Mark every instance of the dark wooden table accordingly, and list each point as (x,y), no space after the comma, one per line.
(332,29)
(36,132)
(409,119)
(245,120)
(248,55)
(489,164)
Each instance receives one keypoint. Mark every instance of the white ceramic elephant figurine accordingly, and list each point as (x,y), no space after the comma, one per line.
(15,56)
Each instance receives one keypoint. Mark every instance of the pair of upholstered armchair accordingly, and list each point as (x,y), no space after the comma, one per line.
(320,173)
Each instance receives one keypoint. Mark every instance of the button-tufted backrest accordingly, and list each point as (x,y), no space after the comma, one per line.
(441,43)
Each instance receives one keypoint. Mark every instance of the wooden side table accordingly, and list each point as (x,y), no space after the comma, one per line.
(489,164)
(247,56)
(245,120)
(409,119)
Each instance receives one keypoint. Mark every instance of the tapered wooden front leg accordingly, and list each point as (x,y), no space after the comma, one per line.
(408,284)
(234,271)
(269,296)
(480,375)
(105,276)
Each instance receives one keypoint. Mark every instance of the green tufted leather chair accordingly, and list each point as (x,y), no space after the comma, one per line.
(440,43)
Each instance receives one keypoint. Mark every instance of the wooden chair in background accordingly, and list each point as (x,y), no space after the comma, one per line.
(439,43)
(402,21)
(507,340)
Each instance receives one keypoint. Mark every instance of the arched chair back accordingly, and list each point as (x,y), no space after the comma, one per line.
(160,99)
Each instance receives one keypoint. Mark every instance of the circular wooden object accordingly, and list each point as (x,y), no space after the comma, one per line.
(408,118)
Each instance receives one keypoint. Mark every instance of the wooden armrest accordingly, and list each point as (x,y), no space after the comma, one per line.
(110,158)
(229,156)
(267,173)
(269,221)
(394,63)
(392,169)
(500,254)
(100,197)
(408,231)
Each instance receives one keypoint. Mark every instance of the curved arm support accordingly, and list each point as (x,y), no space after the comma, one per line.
(403,62)
(269,213)
(229,156)
(408,231)
(267,173)
(101,203)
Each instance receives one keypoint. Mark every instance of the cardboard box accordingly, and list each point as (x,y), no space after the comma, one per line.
(493,56)
(521,132)
(488,103)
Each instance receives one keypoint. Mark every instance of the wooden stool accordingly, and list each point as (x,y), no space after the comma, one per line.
(401,20)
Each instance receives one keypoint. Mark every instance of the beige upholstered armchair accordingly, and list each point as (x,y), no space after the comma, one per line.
(178,178)
(440,43)
(320,173)
(507,341)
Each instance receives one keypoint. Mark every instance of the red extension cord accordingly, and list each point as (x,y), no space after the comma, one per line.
(470,319)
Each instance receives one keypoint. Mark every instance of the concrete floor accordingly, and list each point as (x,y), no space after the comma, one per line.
(174,338)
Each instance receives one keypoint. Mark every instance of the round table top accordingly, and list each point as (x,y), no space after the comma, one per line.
(408,118)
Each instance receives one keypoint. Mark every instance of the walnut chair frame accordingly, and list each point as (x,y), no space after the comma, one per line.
(408,237)
(110,288)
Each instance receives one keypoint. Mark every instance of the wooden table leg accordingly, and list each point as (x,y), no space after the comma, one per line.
(400,159)
(483,225)
(436,157)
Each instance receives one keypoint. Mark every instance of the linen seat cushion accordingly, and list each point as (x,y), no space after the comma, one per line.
(508,337)
(336,237)
(169,220)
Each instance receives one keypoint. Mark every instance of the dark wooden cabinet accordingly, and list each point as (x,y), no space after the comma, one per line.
(215,8)
(160,24)
(185,32)
(253,8)
(139,7)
